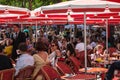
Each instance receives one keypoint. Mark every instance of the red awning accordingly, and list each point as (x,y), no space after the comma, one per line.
(114,1)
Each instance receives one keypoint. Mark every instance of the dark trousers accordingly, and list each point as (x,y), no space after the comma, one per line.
(114,66)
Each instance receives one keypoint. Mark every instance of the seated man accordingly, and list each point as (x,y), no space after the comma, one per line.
(110,73)
(25,58)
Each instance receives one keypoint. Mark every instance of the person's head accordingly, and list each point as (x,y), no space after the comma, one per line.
(70,48)
(23,47)
(9,42)
(16,27)
(98,49)
(54,45)
(41,46)
(80,39)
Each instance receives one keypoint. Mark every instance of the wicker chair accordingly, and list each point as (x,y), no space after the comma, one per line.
(75,64)
(64,68)
(50,73)
(7,74)
(25,73)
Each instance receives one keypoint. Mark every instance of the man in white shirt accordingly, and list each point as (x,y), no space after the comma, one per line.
(25,58)
(80,45)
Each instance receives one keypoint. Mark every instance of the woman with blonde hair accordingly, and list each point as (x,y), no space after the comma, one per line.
(97,53)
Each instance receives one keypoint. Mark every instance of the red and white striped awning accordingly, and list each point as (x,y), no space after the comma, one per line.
(80,6)
(10,12)
(13,10)
(114,1)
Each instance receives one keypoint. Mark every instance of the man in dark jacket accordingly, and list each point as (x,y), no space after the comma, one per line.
(17,37)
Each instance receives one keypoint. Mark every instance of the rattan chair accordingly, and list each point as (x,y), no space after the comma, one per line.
(7,74)
(25,73)
(63,68)
(50,73)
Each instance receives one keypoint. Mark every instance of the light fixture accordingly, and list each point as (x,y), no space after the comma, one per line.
(111,17)
(69,11)
(45,22)
(6,11)
(41,12)
(119,14)
(103,19)
(88,18)
(95,14)
(46,16)
(18,17)
(70,18)
(50,22)
(107,9)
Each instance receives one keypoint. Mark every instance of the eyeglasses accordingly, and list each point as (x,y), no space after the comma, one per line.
(52,45)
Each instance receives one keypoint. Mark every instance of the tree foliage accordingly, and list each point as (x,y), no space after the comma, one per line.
(30,4)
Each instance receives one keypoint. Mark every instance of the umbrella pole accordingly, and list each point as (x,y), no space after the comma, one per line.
(21,26)
(36,31)
(85,42)
(107,36)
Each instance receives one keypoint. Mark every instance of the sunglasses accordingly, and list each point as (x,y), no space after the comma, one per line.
(52,45)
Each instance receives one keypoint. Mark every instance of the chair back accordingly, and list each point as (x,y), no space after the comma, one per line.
(28,71)
(76,64)
(63,68)
(1,75)
(50,73)
(111,50)
(25,73)
(8,74)
(81,57)
(90,51)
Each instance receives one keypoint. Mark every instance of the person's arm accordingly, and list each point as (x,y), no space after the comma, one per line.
(76,49)
(19,65)
(58,53)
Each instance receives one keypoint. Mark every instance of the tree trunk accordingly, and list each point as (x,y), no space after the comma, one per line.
(24,3)
(30,4)
(59,1)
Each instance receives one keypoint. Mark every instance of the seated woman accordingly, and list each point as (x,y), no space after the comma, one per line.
(5,62)
(70,51)
(41,59)
(55,53)
(8,48)
(25,58)
(98,53)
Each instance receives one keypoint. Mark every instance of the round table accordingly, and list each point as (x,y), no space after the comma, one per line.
(94,69)
(81,76)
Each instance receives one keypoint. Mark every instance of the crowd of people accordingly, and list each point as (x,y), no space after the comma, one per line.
(50,47)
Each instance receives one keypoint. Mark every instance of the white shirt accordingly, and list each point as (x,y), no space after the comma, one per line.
(93,44)
(53,59)
(23,61)
(80,47)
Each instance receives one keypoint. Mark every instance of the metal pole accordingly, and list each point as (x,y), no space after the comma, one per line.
(36,32)
(107,36)
(85,43)
(21,26)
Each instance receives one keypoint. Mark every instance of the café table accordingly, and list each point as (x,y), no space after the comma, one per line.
(81,76)
(95,70)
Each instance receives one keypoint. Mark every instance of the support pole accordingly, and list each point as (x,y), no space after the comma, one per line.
(85,42)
